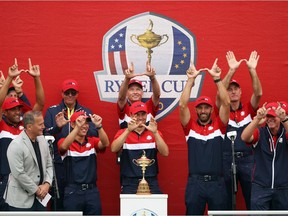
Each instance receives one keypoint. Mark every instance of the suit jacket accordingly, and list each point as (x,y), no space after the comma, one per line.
(25,174)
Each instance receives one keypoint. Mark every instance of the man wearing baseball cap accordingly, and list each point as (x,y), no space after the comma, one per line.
(241,114)
(133,140)
(204,137)
(11,117)
(79,152)
(57,124)
(131,90)
(270,148)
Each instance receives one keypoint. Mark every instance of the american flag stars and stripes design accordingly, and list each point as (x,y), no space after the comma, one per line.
(117,52)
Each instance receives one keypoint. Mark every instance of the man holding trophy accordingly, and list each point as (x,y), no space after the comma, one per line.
(138,141)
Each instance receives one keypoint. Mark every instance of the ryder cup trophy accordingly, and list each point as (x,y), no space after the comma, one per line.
(143,162)
(149,40)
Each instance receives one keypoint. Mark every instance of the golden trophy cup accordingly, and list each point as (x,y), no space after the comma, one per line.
(143,162)
(149,40)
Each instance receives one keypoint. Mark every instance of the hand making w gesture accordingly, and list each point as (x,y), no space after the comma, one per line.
(129,73)
(232,62)
(215,71)
(253,60)
(13,70)
(150,72)
(34,70)
(192,72)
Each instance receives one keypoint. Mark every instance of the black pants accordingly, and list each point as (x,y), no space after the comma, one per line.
(37,206)
(3,183)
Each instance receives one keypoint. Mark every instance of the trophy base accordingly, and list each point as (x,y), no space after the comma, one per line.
(143,188)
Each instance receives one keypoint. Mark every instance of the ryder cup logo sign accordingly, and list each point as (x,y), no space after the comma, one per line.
(167,45)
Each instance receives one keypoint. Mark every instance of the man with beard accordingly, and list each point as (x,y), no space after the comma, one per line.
(270,147)
(204,137)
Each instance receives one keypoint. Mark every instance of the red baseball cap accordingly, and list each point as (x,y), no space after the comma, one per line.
(233,81)
(203,100)
(138,107)
(273,106)
(77,114)
(70,84)
(135,81)
(10,103)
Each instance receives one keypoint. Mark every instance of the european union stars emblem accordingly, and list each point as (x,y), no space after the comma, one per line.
(182,53)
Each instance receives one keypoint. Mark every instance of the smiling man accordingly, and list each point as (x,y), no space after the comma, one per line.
(270,147)
(57,124)
(79,155)
(204,136)
(132,141)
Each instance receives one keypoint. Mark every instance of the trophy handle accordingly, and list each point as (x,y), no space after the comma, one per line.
(134,36)
(152,162)
(135,162)
(163,36)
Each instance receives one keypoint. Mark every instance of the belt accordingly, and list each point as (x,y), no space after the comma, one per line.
(82,186)
(206,178)
(242,154)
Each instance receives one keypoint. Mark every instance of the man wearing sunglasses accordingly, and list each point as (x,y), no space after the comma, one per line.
(57,124)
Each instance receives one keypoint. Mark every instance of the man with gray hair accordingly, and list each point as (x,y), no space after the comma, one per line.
(31,166)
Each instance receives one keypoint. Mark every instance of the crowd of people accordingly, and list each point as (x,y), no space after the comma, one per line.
(255,157)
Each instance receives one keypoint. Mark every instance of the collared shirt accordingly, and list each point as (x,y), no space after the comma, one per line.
(238,121)
(124,115)
(205,146)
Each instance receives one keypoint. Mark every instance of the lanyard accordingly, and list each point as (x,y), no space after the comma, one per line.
(69,112)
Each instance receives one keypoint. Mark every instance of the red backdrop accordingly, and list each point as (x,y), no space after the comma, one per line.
(65,39)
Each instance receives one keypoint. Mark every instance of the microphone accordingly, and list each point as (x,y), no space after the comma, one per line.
(232,135)
(50,139)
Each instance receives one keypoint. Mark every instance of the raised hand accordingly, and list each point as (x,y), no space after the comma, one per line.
(13,70)
(231,60)
(2,79)
(150,72)
(129,73)
(262,111)
(152,125)
(280,112)
(96,119)
(34,70)
(80,121)
(18,83)
(253,60)
(60,119)
(215,71)
(132,125)
(192,72)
